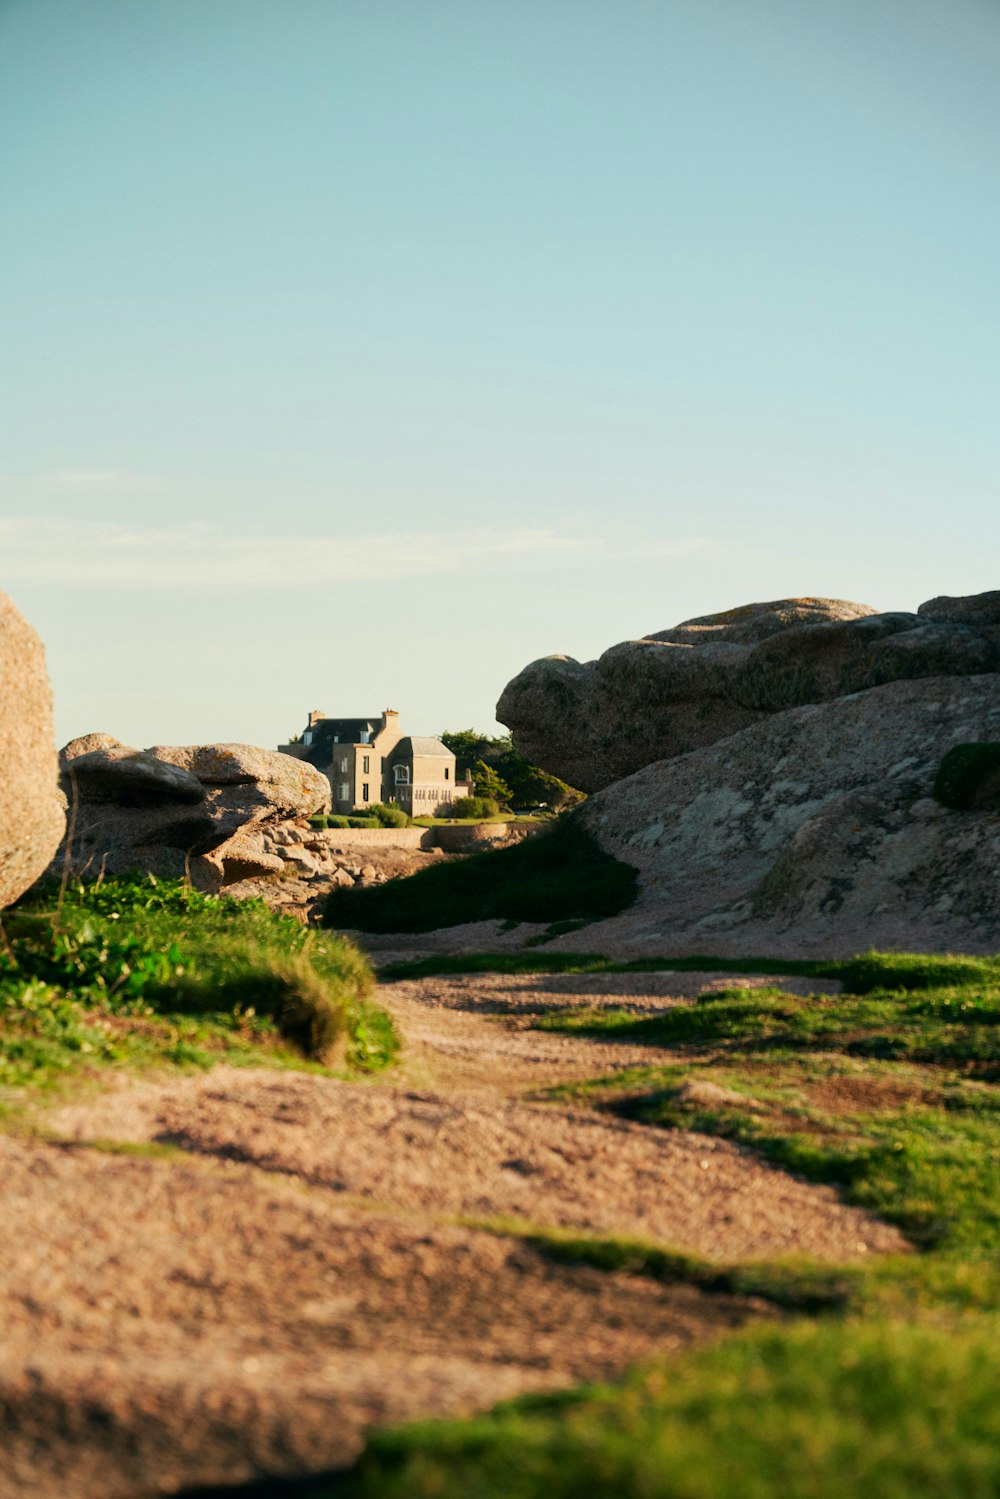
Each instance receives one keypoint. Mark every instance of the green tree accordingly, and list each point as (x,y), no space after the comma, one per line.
(526,786)
(491,786)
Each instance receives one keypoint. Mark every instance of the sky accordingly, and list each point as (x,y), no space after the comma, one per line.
(358,352)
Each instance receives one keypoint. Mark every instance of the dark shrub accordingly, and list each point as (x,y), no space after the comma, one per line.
(466,807)
(388,816)
(968,778)
(559,874)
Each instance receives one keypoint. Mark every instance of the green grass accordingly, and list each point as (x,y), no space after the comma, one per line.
(558,875)
(886,1411)
(141,972)
(861,974)
(891,1095)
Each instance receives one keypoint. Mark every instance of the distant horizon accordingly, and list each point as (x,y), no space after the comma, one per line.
(359,349)
(495,729)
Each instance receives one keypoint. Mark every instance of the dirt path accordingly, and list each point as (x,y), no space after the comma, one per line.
(309,1261)
(454,1040)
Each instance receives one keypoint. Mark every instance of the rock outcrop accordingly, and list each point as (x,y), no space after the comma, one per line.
(190,809)
(702,681)
(32,809)
(812,832)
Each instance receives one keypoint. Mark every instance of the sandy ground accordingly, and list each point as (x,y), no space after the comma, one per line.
(308,1261)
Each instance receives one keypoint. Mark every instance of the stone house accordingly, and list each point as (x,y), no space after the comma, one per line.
(369,760)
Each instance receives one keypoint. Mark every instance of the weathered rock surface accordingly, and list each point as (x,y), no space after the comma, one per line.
(183,809)
(88,742)
(32,809)
(690,686)
(979,610)
(124,777)
(813,831)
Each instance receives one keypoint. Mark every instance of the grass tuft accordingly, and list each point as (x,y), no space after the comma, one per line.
(142,971)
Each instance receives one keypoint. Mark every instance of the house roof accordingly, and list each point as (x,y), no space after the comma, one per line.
(328,731)
(416,745)
(346,730)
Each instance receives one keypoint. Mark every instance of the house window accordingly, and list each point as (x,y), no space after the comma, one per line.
(365,764)
(447,772)
(343,765)
(345,792)
(364,791)
(402,774)
(307,737)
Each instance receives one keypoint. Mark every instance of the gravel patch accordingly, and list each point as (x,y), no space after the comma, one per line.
(170,1324)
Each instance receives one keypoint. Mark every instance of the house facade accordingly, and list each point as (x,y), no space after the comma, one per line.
(369,760)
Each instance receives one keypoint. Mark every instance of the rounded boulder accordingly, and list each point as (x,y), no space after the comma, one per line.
(32,808)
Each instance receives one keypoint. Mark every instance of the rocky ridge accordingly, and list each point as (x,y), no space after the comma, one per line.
(814,832)
(687,687)
(787,756)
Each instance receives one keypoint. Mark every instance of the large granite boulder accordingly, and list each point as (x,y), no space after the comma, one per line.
(812,832)
(690,686)
(176,810)
(32,809)
(981,611)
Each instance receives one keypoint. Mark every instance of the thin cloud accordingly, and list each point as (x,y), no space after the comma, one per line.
(92,554)
(99,478)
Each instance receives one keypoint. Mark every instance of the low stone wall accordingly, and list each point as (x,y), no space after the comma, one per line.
(473,837)
(455,838)
(348,838)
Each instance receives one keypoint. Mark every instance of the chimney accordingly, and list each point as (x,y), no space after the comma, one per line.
(315,716)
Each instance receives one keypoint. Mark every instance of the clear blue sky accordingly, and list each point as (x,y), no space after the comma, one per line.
(357,353)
